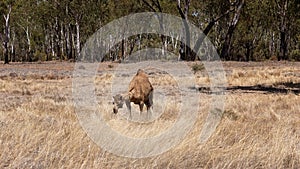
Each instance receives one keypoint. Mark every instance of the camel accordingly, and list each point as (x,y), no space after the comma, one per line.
(140,92)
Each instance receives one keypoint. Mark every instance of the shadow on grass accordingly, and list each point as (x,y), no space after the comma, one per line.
(280,88)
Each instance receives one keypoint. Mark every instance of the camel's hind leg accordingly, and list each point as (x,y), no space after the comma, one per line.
(150,99)
(128,105)
(149,105)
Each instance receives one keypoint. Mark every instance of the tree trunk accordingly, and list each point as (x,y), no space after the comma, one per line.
(68,42)
(155,6)
(77,37)
(28,53)
(52,43)
(12,52)
(207,30)
(57,38)
(283,31)
(176,42)
(73,48)
(123,49)
(47,42)
(185,50)
(162,37)
(62,41)
(272,45)
(225,53)
(6,35)
(249,50)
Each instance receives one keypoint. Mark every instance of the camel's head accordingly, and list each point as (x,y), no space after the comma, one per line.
(118,101)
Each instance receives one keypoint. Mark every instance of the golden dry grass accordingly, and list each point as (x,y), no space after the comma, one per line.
(260,127)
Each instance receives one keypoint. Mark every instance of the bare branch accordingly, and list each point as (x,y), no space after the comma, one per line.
(180,10)
(157,4)
(216,19)
(8,14)
(150,6)
(236,17)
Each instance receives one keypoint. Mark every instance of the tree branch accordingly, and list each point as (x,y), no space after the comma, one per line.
(8,14)
(208,28)
(180,10)
(157,4)
(150,6)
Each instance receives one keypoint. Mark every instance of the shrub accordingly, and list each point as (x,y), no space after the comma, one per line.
(295,55)
(198,67)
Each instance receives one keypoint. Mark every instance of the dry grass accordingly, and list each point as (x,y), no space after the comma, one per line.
(260,127)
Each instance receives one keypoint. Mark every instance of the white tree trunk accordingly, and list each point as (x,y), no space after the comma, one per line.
(7,35)
(52,43)
(176,41)
(77,38)
(73,44)
(62,33)
(28,38)
(12,46)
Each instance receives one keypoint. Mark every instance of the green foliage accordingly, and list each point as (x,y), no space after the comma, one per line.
(45,28)
(295,55)
(39,56)
(197,67)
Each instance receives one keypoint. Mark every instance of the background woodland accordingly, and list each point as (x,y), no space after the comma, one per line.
(44,30)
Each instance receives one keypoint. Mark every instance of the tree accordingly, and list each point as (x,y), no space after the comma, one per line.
(155,6)
(256,26)
(185,50)
(283,6)
(225,53)
(223,11)
(34,30)
(286,11)
(6,37)
(208,16)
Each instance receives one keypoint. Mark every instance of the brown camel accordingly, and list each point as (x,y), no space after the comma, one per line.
(140,92)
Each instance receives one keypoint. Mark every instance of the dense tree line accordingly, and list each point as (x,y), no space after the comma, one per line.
(33,30)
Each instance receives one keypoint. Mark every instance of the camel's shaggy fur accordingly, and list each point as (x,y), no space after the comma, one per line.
(140,92)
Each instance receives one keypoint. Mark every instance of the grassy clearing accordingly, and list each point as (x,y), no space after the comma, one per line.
(260,127)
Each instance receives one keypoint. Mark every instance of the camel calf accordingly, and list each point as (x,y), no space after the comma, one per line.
(140,92)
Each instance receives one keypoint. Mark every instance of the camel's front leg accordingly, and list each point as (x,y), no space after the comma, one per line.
(128,105)
(149,109)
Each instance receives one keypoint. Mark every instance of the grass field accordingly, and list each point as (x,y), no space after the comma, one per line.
(260,127)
